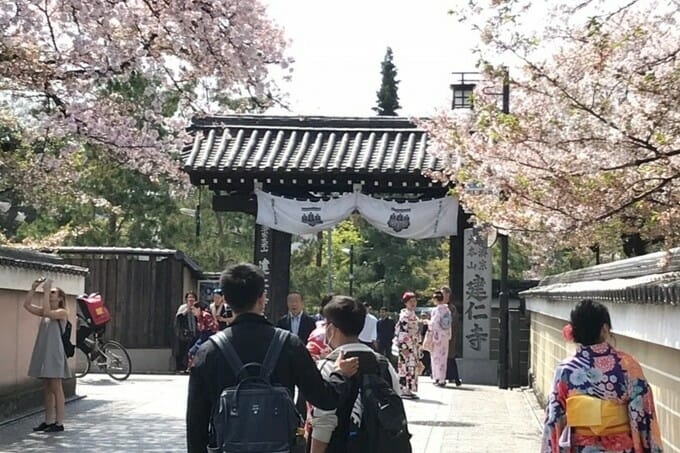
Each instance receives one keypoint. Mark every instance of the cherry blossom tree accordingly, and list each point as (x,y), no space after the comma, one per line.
(125,75)
(590,150)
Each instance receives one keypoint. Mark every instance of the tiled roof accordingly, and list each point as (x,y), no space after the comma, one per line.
(79,250)
(652,278)
(307,145)
(32,259)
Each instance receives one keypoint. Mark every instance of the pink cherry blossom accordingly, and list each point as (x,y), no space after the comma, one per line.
(591,147)
(62,56)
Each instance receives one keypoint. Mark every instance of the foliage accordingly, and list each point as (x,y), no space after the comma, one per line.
(107,205)
(388,98)
(384,266)
(225,237)
(125,76)
(591,148)
(94,98)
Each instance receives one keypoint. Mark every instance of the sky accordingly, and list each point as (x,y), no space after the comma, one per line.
(338,47)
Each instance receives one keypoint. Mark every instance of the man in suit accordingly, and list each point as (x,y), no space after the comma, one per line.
(301,324)
(297,321)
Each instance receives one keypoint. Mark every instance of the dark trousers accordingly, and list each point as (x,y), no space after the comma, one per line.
(181,351)
(385,348)
(425,359)
(452,370)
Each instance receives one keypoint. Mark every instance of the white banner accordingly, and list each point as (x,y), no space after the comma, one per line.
(302,217)
(411,219)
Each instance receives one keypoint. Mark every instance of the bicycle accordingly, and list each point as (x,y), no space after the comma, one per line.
(109,356)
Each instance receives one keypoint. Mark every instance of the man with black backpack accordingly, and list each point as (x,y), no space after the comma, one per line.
(372,419)
(248,408)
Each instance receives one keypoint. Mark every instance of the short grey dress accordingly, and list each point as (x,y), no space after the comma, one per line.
(48,359)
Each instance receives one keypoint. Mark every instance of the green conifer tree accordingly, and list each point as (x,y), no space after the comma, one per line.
(388,98)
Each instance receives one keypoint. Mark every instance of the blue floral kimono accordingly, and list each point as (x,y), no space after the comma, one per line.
(614,379)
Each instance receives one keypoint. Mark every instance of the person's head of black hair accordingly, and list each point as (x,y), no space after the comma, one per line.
(190,293)
(346,314)
(438,295)
(201,306)
(587,320)
(242,285)
(324,301)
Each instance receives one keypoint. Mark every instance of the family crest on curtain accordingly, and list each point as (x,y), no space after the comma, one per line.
(409,219)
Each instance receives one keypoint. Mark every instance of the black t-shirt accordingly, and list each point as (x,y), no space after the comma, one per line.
(224,311)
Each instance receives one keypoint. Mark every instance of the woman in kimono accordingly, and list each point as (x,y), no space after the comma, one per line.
(407,341)
(600,399)
(206,325)
(440,326)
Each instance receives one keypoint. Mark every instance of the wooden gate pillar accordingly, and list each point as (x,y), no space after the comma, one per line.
(456,246)
(272,255)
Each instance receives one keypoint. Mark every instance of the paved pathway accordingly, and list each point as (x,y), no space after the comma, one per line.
(146,414)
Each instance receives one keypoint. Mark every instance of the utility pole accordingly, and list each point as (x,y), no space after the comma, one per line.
(330,261)
(351,270)
(504,312)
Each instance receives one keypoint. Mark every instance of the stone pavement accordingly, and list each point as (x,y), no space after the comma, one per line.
(146,414)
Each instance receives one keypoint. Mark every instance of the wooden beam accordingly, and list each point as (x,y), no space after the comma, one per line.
(235,203)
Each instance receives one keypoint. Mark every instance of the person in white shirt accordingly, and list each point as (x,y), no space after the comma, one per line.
(369,334)
(344,320)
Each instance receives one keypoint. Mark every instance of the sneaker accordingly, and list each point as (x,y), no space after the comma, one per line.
(407,396)
(53,428)
(458,383)
(40,427)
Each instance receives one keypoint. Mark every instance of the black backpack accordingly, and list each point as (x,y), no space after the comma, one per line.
(383,427)
(253,416)
(69,349)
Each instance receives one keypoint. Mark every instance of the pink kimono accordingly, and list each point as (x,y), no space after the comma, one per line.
(440,325)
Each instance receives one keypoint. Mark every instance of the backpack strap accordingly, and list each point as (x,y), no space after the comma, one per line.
(384,368)
(278,340)
(223,343)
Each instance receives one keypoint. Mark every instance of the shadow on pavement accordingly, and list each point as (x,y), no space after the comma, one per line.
(461,388)
(103,381)
(427,401)
(443,423)
(121,433)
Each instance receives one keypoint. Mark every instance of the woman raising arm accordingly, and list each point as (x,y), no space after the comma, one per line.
(48,361)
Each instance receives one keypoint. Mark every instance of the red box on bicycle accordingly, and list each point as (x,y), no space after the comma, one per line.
(94,309)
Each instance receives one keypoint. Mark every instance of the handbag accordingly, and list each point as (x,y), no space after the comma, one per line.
(428,341)
(69,349)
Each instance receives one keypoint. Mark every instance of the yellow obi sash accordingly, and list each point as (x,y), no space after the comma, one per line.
(592,416)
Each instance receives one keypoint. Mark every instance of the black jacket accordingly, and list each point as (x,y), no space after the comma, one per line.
(251,337)
(307,324)
(385,329)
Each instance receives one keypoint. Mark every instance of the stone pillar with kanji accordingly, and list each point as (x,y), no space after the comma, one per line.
(477,366)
